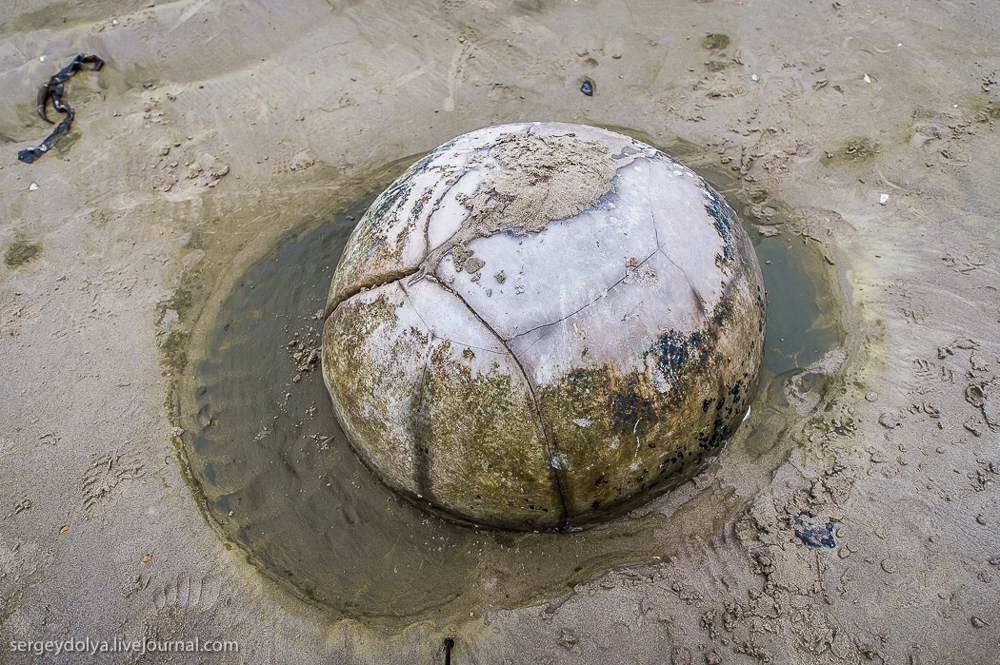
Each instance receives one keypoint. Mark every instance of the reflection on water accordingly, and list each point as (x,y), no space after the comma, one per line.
(280,478)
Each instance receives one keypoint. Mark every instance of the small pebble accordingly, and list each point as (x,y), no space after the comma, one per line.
(755,78)
(888,566)
(888,420)
(981,519)
(872,396)
(883,199)
(978,623)
(32,187)
(587,88)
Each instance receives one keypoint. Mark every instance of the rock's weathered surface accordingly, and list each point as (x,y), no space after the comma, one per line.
(540,325)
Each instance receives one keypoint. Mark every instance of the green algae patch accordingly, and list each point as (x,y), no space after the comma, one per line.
(607,451)
(858,150)
(715,41)
(375,432)
(173,355)
(483,444)
(434,400)
(21,252)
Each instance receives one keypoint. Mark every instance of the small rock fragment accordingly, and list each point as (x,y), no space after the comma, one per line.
(979,361)
(872,396)
(877,455)
(975,396)
(301,160)
(973,425)
(459,255)
(473,264)
(888,420)
(567,639)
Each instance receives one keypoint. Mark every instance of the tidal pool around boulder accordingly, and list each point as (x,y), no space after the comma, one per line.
(541,325)
(280,480)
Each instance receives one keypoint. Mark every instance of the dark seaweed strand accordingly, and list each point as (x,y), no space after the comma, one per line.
(54,88)
(29,155)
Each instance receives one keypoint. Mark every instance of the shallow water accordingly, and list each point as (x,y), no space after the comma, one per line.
(279,477)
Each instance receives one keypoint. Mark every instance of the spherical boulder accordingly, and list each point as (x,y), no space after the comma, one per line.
(541,325)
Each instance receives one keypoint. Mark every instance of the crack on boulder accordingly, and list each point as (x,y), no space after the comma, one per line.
(430,331)
(607,292)
(702,309)
(421,451)
(549,452)
(347,294)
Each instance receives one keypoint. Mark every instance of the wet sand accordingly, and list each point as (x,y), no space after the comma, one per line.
(216,130)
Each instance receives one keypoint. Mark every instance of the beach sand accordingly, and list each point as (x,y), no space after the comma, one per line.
(215,129)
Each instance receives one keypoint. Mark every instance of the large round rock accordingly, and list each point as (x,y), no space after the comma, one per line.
(540,325)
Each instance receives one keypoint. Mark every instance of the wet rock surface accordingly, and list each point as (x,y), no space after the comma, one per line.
(615,363)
